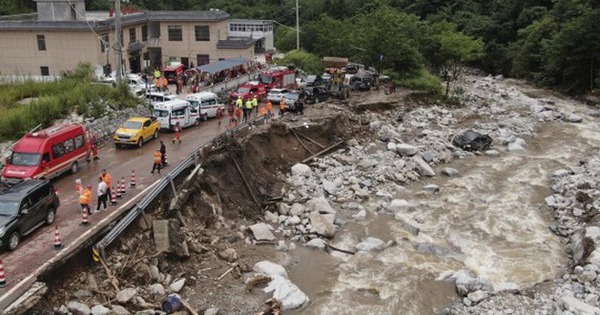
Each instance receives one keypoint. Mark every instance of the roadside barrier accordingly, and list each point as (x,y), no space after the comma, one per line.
(132,182)
(113,196)
(57,243)
(192,160)
(2,276)
(123,187)
(84,217)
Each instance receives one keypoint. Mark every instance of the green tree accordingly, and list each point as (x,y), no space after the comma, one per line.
(304,60)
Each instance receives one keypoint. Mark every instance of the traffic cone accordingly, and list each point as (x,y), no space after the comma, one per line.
(113,196)
(84,217)
(123,187)
(118,193)
(57,244)
(2,276)
(132,183)
(166,161)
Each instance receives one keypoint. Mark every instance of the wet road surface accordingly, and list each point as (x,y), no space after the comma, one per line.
(36,251)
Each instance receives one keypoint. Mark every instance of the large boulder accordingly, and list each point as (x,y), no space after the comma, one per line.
(320,205)
(471,140)
(78,308)
(284,291)
(301,170)
(322,223)
(262,232)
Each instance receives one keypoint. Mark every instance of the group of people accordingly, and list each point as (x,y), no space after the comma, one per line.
(240,111)
(103,191)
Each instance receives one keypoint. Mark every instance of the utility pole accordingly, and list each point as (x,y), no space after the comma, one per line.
(118,46)
(297,27)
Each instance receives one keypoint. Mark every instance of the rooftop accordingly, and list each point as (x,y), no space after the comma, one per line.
(235,43)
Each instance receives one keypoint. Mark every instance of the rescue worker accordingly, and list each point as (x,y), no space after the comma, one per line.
(262,111)
(238,116)
(158,83)
(165,84)
(78,186)
(93,150)
(177,130)
(102,193)
(163,152)
(248,110)
(156,74)
(255,104)
(269,109)
(108,180)
(220,114)
(85,198)
(239,103)
(281,107)
(157,161)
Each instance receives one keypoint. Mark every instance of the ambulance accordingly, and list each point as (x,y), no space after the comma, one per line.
(207,102)
(169,113)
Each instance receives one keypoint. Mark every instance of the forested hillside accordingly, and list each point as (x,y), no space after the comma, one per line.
(552,42)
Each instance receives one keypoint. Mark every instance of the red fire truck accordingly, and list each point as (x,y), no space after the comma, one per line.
(248,90)
(278,77)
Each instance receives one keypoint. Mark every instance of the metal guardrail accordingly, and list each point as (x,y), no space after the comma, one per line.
(138,208)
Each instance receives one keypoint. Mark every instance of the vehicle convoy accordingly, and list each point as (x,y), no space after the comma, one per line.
(248,90)
(136,131)
(207,104)
(47,153)
(170,113)
(23,208)
(278,78)
(292,97)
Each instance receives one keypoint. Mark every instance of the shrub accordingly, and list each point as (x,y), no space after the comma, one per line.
(423,81)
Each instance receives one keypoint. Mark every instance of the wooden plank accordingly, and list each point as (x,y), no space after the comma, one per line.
(308,159)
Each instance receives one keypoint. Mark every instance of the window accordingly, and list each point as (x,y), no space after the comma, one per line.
(144,33)
(202,33)
(46,158)
(209,101)
(104,43)
(69,145)
(41,39)
(78,141)
(39,194)
(45,71)
(147,123)
(202,60)
(132,35)
(179,112)
(57,151)
(175,33)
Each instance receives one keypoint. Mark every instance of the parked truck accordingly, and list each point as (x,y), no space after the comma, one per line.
(278,78)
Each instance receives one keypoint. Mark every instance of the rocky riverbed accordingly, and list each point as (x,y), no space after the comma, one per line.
(398,220)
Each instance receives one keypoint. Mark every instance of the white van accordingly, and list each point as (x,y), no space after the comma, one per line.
(208,102)
(159,97)
(170,113)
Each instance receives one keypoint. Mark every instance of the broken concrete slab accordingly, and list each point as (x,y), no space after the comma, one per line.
(262,232)
(160,229)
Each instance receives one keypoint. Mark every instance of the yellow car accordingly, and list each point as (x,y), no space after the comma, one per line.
(136,131)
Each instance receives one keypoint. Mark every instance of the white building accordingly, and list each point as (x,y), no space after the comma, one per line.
(259,30)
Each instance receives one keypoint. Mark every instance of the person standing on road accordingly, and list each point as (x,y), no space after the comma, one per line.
(220,115)
(108,180)
(248,111)
(255,104)
(239,103)
(101,194)
(85,198)
(163,154)
(177,129)
(269,109)
(157,161)
(238,116)
(281,107)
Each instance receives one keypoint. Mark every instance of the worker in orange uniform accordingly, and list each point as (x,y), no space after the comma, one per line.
(219,114)
(108,180)
(281,107)
(157,161)
(85,198)
(269,109)
(165,84)
(177,129)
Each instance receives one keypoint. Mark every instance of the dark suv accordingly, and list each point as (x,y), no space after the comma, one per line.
(23,208)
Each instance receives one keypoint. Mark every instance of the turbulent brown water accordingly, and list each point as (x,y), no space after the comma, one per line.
(492,220)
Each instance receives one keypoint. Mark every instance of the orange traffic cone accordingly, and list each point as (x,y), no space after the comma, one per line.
(84,217)
(2,276)
(123,187)
(118,193)
(166,161)
(132,183)
(57,244)
(113,196)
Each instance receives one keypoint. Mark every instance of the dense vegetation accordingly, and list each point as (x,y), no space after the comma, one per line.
(552,42)
(56,100)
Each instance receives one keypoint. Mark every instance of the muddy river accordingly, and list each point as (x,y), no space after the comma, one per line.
(492,220)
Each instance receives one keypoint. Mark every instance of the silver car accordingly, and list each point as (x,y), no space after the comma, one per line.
(275,94)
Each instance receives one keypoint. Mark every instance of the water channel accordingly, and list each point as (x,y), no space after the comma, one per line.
(492,220)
